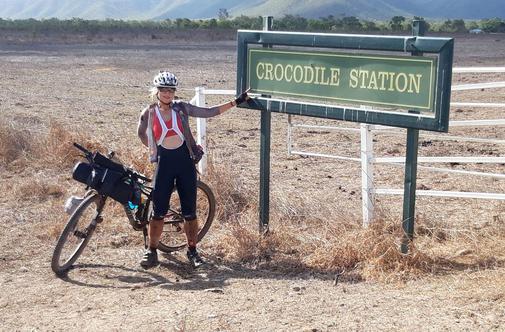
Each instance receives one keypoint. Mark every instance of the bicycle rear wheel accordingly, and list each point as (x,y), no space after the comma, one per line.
(173,237)
(77,233)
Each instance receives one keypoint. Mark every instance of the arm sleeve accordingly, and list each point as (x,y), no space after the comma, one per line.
(200,112)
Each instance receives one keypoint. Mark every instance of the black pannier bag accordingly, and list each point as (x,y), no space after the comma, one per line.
(108,178)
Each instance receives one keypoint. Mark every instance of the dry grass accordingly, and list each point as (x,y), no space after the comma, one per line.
(15,143)
(234,198)
(38,190)
(52,150)
(302,236)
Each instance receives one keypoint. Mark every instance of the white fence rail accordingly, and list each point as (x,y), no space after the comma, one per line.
(478,85)
(367,158)
(478,70)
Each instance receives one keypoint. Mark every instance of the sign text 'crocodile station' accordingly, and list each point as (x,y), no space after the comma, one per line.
(391,81)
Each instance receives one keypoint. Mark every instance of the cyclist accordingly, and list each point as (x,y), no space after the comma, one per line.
(161,129)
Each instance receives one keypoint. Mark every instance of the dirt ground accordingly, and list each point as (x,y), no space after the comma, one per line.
(99,87)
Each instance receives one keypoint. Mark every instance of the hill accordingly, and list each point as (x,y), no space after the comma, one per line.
(198,9)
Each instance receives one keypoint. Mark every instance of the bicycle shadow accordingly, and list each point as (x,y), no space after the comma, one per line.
(172,273)
(111,276)
(175,273)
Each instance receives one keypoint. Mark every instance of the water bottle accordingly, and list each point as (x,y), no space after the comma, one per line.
(72,203)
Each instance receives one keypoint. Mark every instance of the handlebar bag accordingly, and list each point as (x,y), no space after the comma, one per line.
(107,181)
(82,172)
(108,163)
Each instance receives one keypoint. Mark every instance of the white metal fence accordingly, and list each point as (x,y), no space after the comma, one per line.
(367,158)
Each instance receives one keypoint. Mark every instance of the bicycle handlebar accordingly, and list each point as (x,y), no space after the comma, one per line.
(137,175)
(82,148)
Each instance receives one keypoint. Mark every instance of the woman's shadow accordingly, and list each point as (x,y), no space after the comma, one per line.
(175,273)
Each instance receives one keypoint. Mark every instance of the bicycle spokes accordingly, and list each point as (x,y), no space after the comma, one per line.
(174,222)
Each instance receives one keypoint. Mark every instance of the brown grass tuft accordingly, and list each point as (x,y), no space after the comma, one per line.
(52,150)
(234,198)
(241,242)
(136,158)
(14,143)
(57,150)
(38,190)
(308,233)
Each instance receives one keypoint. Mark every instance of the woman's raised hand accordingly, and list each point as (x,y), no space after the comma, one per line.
(242,97)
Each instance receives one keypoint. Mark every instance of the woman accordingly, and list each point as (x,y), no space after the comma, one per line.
(161,128)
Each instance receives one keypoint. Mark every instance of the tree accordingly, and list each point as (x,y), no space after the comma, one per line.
(351,23)
(246,22)
(317,25)
(396,23)
(370,26)
(426,24)
(472,25)
(185,23)
(493,25)
(459,26)
(223,14)
(212,23)
(453,26)
(293,23)
(446,26)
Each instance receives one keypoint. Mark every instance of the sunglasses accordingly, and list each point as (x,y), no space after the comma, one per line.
(166,89)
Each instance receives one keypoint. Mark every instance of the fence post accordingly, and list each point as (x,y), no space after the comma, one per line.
(266,119)
(409,190)
(367,187)
(290,128)
(201,129)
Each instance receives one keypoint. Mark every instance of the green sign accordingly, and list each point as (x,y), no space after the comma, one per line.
(406,91)
(392,81)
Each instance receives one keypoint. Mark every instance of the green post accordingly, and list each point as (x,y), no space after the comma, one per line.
(409,193)
(266,119)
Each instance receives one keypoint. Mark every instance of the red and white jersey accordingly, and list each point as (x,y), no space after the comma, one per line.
(162,129)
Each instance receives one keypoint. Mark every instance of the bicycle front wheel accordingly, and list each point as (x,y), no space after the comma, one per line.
(77,233)
(173,237)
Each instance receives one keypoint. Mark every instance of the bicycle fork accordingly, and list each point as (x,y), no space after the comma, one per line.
(94,222)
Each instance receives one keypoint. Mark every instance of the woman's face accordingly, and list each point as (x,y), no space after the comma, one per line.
(166,95)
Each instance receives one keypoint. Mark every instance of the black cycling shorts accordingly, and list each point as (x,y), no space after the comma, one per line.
(175,168)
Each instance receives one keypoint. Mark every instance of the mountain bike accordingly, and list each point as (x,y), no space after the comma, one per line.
(131,189)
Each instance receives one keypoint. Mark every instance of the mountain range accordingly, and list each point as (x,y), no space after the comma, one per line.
(202,9)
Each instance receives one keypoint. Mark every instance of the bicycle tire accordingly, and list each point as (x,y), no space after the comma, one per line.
(170,240)
(61,262)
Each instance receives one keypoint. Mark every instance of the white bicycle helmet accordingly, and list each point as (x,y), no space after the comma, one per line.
(165,79)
